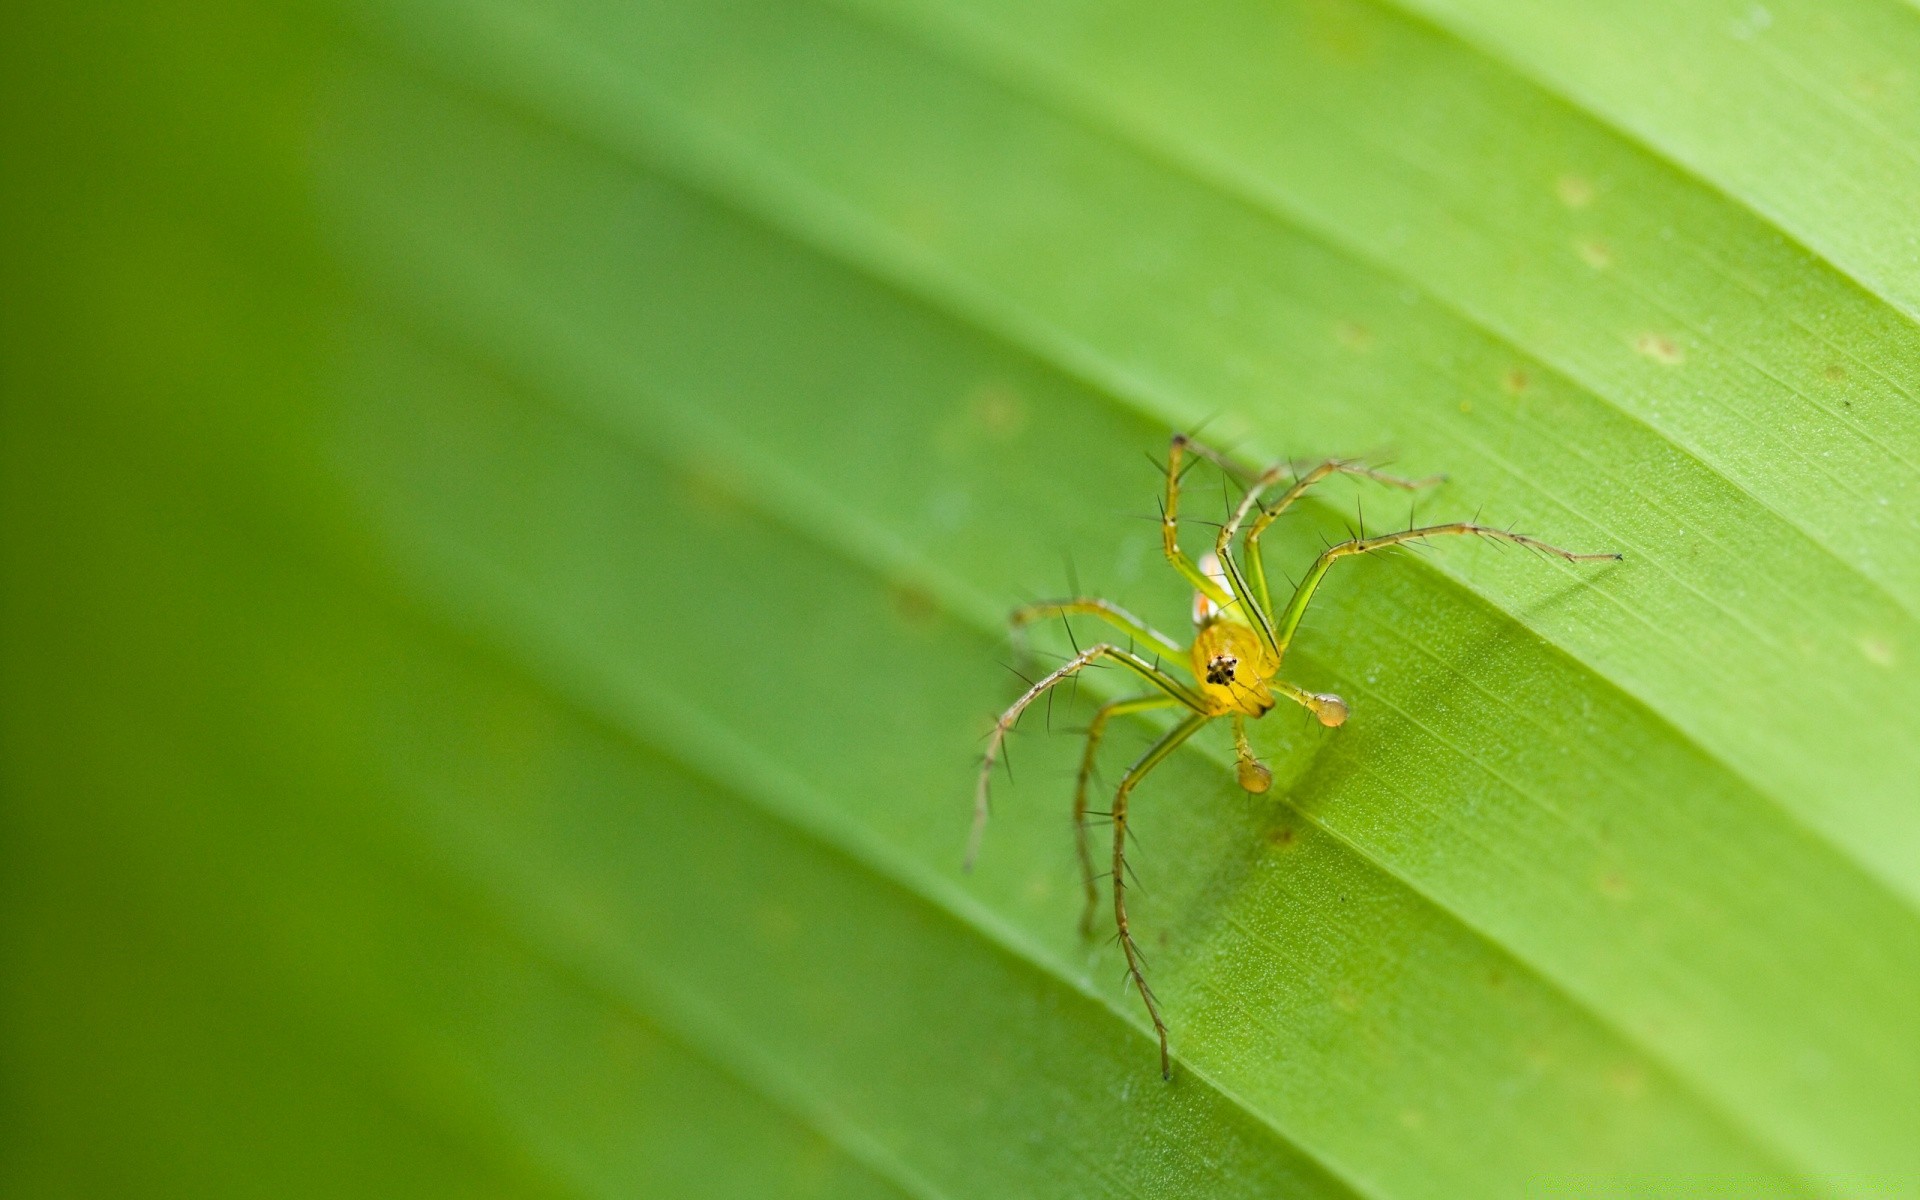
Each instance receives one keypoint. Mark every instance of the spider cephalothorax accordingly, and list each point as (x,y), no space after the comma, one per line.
(1234,669)
(1239,642)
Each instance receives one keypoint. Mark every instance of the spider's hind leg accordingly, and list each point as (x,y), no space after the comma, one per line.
(1107,611)
(1302,483)
(1288,621)
(1170,524)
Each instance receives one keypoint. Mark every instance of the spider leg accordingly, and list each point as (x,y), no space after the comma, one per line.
(1107,611)
(1096,729)
(1302,482)
(1135,970)
(1176,691)
(1170,528)
(1289,621)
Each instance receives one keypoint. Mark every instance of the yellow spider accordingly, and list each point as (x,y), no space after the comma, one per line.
(1239,643)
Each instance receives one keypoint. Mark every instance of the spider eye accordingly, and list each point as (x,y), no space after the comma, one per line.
(1220,668)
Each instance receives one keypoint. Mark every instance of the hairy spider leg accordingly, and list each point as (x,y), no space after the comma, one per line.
(1096,729)
(1289,621)
(1302,483)
(1135,970)
(1170,528)
(1173,688)
(1107,611)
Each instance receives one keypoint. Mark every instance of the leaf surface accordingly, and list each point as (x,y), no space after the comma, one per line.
(683,393)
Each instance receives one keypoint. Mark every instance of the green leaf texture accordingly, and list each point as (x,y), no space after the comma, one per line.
(511,507)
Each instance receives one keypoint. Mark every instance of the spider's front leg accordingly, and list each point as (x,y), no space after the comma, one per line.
(1167,685)
(1136,965)
(1096,729)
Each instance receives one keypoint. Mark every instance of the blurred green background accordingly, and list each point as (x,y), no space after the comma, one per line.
(509,507)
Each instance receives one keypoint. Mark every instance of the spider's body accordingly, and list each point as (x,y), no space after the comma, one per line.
(1234,669)
(1239,643)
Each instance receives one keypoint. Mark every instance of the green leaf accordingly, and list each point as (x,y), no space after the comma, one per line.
(505,626)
